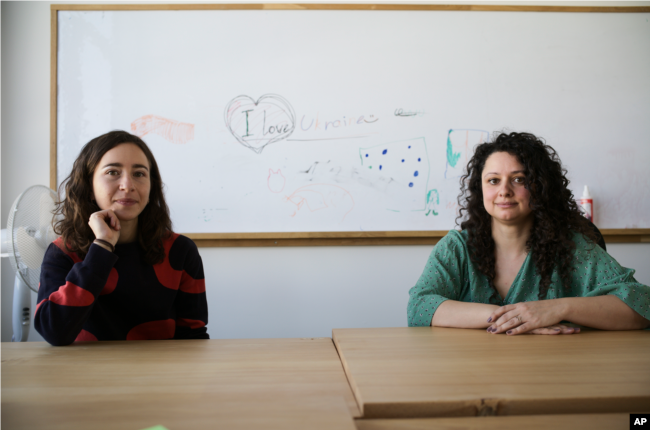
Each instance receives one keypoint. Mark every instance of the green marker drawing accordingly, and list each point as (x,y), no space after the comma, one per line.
(246,112)
(430,202)
(452,158)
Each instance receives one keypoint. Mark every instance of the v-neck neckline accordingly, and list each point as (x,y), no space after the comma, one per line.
(514,281)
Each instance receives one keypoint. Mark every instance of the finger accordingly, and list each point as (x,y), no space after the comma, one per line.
(97,220)
(108,217)
(521,329)
(505,323)
(103,216)
(564,329)
(115,222)
(97,215)
(556,329)
(499,312)
(545,330)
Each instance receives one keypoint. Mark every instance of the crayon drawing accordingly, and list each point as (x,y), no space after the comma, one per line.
(326,171)
(170,130)
(318,197)
(276,181)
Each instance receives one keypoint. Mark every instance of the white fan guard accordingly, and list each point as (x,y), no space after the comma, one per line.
(30,230)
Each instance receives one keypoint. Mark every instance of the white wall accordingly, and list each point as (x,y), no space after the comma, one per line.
(252,292)
(5,268)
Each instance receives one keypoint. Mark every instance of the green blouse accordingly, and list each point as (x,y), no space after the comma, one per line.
(451,275)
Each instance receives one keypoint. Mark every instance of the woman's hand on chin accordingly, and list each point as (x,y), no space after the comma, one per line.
(105,225)
(539,317)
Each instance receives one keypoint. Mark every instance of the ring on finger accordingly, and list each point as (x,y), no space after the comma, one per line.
(519,319)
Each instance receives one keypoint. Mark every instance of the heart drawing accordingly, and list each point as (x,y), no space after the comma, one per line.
(256,124)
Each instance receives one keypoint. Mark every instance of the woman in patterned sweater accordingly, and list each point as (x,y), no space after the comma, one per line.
(525,260)
(118,272)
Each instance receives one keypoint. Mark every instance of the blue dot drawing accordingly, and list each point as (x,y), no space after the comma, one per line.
(410,172)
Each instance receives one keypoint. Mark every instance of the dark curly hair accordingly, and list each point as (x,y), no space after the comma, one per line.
(154,223)
(556,215)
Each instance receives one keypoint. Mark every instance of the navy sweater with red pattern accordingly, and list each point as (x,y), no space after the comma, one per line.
(116,296)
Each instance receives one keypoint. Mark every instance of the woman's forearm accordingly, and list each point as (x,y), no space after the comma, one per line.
(602,312)
(455,314)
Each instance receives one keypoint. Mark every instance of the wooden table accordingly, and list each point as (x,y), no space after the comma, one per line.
(184,384)
(436,372)
(520,422)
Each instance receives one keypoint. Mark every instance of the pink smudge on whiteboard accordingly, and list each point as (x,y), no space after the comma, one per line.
(168,129)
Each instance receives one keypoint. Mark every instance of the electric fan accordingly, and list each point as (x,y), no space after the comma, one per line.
(29,232)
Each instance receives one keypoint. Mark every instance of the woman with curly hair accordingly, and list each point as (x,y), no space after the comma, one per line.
(525,260)
(118,271)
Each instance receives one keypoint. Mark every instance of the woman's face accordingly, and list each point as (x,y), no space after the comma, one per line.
(505,196)
(122,182)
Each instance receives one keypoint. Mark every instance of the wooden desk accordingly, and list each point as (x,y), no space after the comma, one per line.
(522,422)
(190,384)
(435,372)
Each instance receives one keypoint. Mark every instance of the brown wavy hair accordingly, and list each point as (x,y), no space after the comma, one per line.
(73,211)
(556,215)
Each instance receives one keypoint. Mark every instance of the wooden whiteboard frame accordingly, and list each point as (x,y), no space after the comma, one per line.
(343,238)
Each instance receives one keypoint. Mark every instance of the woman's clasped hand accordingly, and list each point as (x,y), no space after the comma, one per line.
(537,317)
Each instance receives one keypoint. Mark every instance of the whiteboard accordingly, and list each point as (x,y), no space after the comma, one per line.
(340,120)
